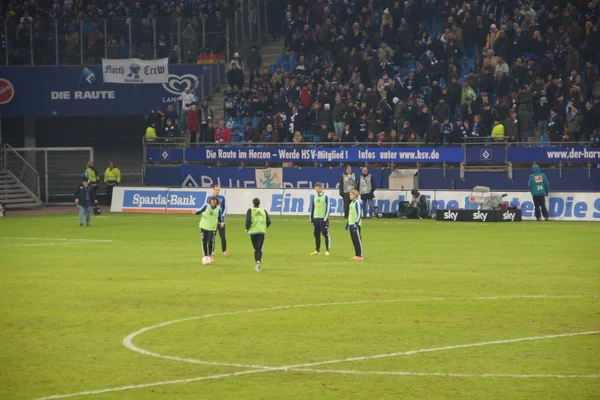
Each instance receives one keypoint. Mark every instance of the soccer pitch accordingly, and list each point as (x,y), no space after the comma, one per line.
(124,309)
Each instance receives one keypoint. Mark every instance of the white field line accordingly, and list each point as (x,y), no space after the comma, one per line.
(304,367)
(55,239)
(128,340)
(54,242)
(443,374)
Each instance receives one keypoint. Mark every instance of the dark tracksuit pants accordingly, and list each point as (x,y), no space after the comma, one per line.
(355,234)
(540,203)
(222,237)
(258,241)
(347,202)
(109,192)
(321,227)
(208,242)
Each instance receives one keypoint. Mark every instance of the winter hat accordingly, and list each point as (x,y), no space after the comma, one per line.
(544,100)
(395,100)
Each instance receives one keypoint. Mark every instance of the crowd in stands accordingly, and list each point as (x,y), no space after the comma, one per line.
(437,71)
(102,27)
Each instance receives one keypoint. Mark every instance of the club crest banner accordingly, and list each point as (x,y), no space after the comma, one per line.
(135,71)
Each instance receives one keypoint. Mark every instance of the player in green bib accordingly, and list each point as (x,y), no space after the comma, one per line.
(257,222)
(539,186)
(212,217)
(319,216)
(354,225)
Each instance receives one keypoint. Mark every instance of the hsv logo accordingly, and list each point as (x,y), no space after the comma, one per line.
(7,91)
(508,216)
(480,216)
(449,215)
(538,178)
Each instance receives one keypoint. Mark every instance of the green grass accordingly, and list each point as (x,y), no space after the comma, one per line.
(66,309)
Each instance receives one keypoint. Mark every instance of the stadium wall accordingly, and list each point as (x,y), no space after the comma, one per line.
(575,179)
(564,206)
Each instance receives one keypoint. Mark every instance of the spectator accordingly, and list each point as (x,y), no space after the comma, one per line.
(297,138)
(171,131)
(187,99)
(193,126)
(223,134)
(525,123)
(235,77)
(574,119)
(232,125)
(555,126)
(543,114)
(237,61)
(205,117)
(434,133)
(511,130)
(254,61)
(347,135)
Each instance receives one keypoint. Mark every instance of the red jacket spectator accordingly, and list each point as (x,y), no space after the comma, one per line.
(192,120)
(306,98)
(222,133)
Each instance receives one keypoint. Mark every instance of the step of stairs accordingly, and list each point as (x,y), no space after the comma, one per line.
(269,51)
(13,194)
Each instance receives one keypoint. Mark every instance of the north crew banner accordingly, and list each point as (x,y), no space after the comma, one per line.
(565,206)
(135,71)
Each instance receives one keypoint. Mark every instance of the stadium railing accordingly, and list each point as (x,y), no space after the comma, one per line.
(69,41)
(21,169)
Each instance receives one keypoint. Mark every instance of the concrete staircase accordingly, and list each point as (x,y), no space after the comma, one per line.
(13,194)
(270,52)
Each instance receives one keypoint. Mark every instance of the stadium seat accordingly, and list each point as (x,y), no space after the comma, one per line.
(238,122)
(255,121)
(245,120)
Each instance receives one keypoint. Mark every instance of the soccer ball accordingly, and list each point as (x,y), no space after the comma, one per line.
(205,260)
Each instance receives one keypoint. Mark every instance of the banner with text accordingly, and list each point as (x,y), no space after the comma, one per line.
(342,154)
(70,91)
(562,206)
(549,154)
(135,71)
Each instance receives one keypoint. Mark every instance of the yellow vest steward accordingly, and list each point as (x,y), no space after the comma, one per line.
(91,175)
(113,175)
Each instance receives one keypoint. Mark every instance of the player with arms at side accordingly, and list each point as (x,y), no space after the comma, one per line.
(354,224)
(539,186)
(221,228)
(212,217)
(319,216)
(257,222)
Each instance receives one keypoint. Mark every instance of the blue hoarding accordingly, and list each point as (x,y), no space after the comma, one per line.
(80,91)
(257,154)
(549,154)
(572,179)
(317,154)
